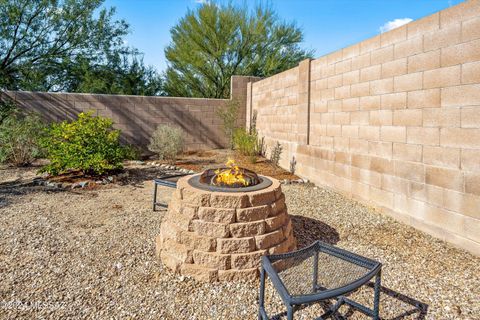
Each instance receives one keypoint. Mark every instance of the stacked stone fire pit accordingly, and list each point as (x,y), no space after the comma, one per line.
(219,232)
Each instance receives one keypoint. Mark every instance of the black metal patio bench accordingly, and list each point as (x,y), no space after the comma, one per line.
(167,180)
(319,273)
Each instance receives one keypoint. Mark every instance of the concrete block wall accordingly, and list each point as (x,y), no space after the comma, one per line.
(393,121)
(138,116)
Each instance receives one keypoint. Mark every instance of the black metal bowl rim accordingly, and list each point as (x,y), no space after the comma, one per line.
(195,182)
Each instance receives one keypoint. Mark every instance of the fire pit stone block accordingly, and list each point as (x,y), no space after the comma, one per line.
(221,236)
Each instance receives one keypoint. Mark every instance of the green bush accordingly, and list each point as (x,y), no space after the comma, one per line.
(247,144)
(19,137)
(89,144)
(167,142)
(229,114)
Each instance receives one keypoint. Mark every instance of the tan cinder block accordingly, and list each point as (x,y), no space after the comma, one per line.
(221,215)
(269,240)
(441,117)
(461,53)
(469,160)
(361,161)
(334,105)
(381,86)
(210,229)
(464,203)
(370,103)
(370,44)
(254,213)
(424,61)
(341,117)
(369,133)
(381,118)
(472,229)
(350,104)
(360,89)
(351,77)
(238,275)
(394,184)
(358,146)
(465,95)
(334,82)
(359,117)
(425,136)
(334,130)
(394,101)
(426,193)
(263,197)
(443,77)
(212,259)
(408,47)
(419,27)
(381,197)
(381,165)
(247,229)
(460,138)
(393,36)
(472,183)
(408,82)
(393,133)
(276,222)
(371,73)
(235,245)
(471,72)
(247,260)
(194,241)
(445,178)
(382,55)
(460,12)
(439,156)
(343,66)
(407,152)
(341,143)
(350,131)
(471,29)
(342,92)
(410,170)
(351,51)
(199,273)
(394,68)
(361,61)
(423,99)
(407,117)
(442,38)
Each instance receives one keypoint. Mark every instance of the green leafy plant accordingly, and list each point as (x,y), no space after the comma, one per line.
(276,154)
(19,137)
(167,142)
(7,108)
(229,114)
(89,144)
(246,144)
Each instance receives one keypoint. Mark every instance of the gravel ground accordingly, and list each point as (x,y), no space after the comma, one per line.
(90,255)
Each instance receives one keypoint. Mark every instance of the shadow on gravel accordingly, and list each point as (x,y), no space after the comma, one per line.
(308,230)
(137,176)
(19,188)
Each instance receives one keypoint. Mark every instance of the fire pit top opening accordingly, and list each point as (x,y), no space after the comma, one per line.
(229,179)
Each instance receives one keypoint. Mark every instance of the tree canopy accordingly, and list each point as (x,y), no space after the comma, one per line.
(69,45)
(214,42)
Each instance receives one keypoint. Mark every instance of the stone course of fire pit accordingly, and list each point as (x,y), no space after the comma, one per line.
(220,236)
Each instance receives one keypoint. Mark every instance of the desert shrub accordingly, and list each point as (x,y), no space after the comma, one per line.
(229,115)
(20,137)
(276,154)
(89,144)
(7,108)
(246,144)
(167,142)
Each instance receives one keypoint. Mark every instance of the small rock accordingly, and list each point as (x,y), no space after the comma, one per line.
(110,178)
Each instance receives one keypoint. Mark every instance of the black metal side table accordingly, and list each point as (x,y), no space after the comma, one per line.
(319,272)
(167,180)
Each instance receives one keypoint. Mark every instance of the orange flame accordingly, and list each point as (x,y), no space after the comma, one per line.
(231,175)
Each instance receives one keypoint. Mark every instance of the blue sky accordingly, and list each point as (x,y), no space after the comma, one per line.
(328,25)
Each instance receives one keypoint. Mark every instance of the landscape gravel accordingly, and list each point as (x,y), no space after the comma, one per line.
(90,254)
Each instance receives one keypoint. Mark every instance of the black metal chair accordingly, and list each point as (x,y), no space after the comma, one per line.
(167,180)
(319,273)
